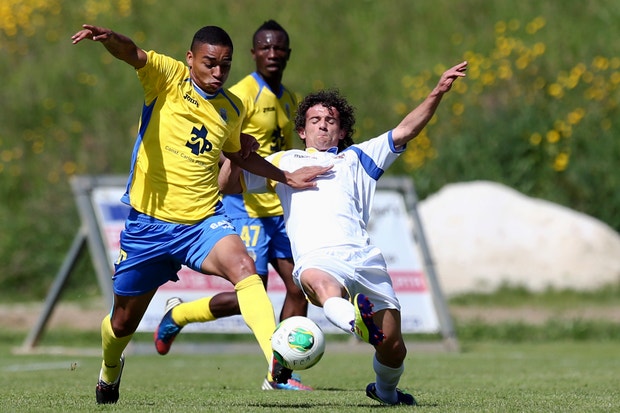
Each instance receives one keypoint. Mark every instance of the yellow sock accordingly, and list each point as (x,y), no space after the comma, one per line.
(193,312)
(112,348)
(257,311)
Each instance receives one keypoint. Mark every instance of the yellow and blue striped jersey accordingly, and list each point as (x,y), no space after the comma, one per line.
(174,164)
(270,119)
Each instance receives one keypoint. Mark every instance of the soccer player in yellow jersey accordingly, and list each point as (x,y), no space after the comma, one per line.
(258,218)
(176,215)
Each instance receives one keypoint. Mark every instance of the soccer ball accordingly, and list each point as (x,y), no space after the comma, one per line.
(298,343)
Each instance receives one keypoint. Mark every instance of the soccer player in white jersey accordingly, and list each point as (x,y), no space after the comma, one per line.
(336,265)
(188,120)
(258,218)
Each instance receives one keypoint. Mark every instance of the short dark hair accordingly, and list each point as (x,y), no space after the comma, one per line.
(329,98)
(212,35)
(270,25)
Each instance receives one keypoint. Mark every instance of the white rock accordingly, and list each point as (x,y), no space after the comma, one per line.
(483,234)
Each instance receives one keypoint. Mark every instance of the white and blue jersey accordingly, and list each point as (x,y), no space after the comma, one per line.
(331,220)
(334,214)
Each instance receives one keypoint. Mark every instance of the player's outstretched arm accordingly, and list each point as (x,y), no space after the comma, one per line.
(119,46)
(300,179)
(417,119)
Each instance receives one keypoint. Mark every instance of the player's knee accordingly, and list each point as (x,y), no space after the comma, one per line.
(123,328)
(392,351)
(242,268)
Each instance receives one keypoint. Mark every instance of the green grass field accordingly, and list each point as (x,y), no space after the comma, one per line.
(559,376)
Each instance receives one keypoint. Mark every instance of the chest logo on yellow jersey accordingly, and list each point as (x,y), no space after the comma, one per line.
(190,99)
(198,141)
(224,114)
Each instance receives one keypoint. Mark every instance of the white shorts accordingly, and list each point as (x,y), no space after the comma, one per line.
(360,271)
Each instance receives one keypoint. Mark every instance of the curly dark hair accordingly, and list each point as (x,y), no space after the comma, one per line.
(330,98)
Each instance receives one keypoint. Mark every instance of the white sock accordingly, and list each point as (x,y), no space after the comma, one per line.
(387,380)
(339,312)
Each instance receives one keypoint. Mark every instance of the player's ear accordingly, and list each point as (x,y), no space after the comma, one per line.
(189,58)
(302,134)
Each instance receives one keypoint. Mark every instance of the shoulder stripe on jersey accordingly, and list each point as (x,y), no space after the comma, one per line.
(368,164)
(145,119)
(261,84)
(231,101)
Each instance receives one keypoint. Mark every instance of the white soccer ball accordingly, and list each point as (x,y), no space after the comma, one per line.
(298,343)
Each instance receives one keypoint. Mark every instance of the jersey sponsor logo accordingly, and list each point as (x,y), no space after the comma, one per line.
(198,142)
(221,224)
(191,100)
(269,109)
(297,155)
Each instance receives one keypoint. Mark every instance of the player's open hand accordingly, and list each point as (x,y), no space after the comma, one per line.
(450,75)
(303,178)
(97,34)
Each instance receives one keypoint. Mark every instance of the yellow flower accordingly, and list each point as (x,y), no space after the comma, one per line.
(553,136)
(539,49)
(488,78)
(6,156)
(560,162)
(555,90)
(400,108)
(535,25)
(504,71)
(600,63)
(500,27)
(575,116)
(69,168)
(458,108)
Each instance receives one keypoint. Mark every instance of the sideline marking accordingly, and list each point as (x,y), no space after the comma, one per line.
(57,365)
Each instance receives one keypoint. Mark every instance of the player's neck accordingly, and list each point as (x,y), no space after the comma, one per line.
(274,82)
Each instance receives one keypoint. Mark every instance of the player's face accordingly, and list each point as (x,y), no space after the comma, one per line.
(271,52)
(209,66)
(322,130)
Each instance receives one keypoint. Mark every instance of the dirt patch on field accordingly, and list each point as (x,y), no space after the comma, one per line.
(534,316)
(65,315)
(23,317)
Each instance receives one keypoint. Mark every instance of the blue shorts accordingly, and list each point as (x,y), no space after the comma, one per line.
(152,251)
(265,239)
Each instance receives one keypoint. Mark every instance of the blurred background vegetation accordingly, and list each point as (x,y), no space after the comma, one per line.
(537,112)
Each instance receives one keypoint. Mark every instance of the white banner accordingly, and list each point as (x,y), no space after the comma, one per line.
(391,230)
